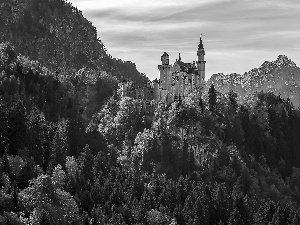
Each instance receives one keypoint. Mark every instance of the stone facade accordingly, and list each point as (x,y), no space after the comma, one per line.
(176,81)
(127,89)
(179,79)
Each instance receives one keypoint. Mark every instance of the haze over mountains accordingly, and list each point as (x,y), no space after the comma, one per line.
(281,76)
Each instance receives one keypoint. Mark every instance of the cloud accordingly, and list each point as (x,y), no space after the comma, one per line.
(130,5)
(238,34)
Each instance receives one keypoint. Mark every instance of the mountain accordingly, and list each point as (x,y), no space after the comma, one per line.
(185,163)
(281,76)
(57,35)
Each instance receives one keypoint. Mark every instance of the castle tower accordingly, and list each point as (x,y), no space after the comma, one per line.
(201,62)
(164,70)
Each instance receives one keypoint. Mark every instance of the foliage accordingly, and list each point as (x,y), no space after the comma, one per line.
(57,35)
(73,151)
(43,197)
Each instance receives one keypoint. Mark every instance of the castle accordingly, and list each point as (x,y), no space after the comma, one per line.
(180,79)
(175,81)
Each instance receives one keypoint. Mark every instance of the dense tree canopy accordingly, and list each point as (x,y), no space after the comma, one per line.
(74,151)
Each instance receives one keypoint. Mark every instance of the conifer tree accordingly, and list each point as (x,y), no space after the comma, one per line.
(233,101)
(295,220)
(235,218)
(201,104)
(17,129)
(212,98)
(278,217)
(44,219)
(185,159)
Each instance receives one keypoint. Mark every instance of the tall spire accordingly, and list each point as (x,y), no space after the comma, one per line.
(201,62)
(200,46)
(179,59)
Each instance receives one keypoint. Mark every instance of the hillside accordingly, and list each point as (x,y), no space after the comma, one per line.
(281,76)
(204,159)
(57,35)
(198,161)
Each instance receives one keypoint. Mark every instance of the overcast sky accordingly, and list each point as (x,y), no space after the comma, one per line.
(238,35)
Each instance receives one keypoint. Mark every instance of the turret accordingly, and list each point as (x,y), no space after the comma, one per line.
(164,70)
(201,62)
(165,59)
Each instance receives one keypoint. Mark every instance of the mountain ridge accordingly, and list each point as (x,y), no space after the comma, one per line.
(281,76)
(57,35)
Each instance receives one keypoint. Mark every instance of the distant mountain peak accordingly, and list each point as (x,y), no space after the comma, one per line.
(280,62)
(283,60)
(280,76)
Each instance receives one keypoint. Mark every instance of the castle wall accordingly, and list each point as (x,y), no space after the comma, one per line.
(193,81)
(181,84)
(170,81)
(164,76)
(202,72)
(170,98)
(181,78)
(123,89)
(175,68)
(177,87)
(163,95)
(139,93)
(188,84)
(201,54)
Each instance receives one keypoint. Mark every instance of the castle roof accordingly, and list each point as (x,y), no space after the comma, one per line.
(186,67)
(200,46)
(165,54)
(182,65)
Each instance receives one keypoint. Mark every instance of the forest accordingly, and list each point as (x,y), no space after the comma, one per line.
(73,150)
(205,159)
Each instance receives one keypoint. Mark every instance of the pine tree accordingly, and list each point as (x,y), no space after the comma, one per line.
(201,104)
(5,164)
(233,101)
(185,159)
(278,217)
(178,215)
(17,131)
(212,98)
(85,163)
(44,220)
(295,220)
(235,218)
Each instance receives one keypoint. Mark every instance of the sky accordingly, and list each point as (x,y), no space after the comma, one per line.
(238,35)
